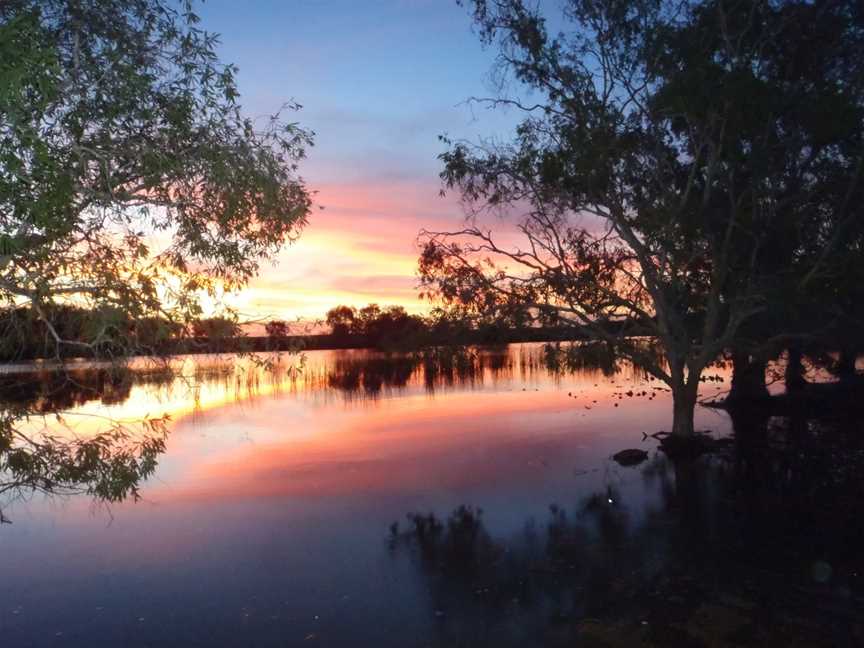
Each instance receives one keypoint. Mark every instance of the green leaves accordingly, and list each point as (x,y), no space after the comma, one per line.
(126,163)
(109,466)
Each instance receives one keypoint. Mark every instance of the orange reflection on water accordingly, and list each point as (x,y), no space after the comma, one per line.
(415,442)
(357,421)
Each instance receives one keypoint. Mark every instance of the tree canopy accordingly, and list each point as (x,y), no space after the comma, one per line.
(388,327)
(131,181)
(132,184)
(679,166)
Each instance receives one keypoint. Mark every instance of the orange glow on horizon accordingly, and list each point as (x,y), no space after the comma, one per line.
(359,249)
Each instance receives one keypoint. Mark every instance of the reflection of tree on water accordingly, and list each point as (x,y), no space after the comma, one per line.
(759,545)
(464,366)
(370,376)
(363,374)
(533,588)
(51,391)
(40,451)
(593,356)
(434,368)
(801,480)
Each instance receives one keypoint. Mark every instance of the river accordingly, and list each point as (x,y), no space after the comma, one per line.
(370,499)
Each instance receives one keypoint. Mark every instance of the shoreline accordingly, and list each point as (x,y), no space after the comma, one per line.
(300,343)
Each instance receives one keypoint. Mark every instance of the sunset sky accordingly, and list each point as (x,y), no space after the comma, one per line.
(379,81)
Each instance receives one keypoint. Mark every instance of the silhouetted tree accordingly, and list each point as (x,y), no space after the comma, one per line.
(276,328)
(341,320)
(671,147)
(367,316)
(388,327)
(216,328)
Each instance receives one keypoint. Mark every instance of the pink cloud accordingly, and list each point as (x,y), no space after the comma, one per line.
(360,248)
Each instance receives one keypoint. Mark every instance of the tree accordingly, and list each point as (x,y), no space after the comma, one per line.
(276,328)
(814,71)
(392,326)
(341,320)
(131,184)
(671,147)
(367,317)
(130,180)
(216,328)
(388,328)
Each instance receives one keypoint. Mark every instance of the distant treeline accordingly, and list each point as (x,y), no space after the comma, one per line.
(393,328)
(107,332)
(25,336)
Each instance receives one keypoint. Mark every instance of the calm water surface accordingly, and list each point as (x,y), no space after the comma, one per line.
(269,521)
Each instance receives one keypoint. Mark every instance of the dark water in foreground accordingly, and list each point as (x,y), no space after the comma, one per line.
(270,519)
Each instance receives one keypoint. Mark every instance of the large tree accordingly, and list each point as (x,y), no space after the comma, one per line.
(131,182)
(131,185)
(678,162)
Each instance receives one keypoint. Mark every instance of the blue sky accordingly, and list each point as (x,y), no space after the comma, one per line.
(373,76)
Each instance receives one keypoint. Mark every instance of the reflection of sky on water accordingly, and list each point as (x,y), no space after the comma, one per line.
(272,503)
(331,429)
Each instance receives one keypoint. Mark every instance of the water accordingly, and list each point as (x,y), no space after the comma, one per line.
(269,520)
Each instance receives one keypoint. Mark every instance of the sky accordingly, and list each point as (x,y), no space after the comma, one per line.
(379,81)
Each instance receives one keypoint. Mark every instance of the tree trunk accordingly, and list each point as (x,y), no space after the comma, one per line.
(684,406)
(748,377)
(846,363)
(794,376)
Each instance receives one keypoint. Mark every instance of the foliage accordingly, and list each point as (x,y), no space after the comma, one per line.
(277,328)
(109,466)
(131,185)
(130,180)
(110,333)
(340,319)
(389,327)
(676,172)
(216,328)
